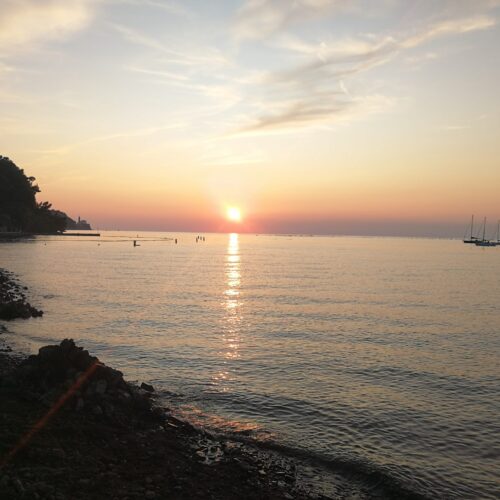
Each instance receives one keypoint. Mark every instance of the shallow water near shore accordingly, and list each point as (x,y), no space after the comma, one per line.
(378,356)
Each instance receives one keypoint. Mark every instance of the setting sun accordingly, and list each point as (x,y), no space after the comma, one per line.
(233,214)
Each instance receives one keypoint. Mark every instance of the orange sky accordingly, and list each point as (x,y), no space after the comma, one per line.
(325,117)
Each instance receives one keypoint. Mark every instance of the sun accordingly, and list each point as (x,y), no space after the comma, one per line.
(233,214)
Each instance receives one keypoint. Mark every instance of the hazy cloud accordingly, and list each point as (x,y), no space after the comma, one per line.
(24,22)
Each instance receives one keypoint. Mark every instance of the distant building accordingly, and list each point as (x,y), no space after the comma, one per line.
(81,224)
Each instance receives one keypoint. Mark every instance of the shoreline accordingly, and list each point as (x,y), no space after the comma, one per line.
(108,438)
(90,434)
(71,427)
(13,301)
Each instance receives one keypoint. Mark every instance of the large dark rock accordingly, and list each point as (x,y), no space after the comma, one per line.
(88,384)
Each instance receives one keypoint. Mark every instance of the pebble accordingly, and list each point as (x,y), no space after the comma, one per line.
(59,453)
(101,386)
(97,410)
(18,485)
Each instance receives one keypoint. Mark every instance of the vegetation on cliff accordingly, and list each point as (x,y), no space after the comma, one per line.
(19,209)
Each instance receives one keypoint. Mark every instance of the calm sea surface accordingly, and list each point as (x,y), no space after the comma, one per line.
(376,355)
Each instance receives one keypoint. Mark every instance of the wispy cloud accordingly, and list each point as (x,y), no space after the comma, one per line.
(315,91)
(449,27)
(454,128)
(215,88)
(223,156)
(161,74)
(314,112)
(416,60)
(61,150)
(198,56)
(165,5)
(202,70)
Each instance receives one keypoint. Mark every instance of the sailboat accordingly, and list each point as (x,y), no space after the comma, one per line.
(472,238)
(484,242)
(497,241)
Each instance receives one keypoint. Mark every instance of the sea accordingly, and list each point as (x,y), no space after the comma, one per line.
(378,358)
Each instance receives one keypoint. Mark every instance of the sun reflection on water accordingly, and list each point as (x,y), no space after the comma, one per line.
(230,349)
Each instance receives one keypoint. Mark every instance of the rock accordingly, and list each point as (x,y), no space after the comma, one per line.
(108,408)
(101,386)
(147,387)
(59,453)
(124,395)
(47,352)
(159,413)
(150,494)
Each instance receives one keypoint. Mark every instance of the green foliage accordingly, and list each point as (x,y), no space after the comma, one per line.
(19,210)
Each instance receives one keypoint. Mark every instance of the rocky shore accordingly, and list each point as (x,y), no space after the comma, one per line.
(71,427)
(13,303)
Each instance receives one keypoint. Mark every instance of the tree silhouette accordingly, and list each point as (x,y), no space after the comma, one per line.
(19,210)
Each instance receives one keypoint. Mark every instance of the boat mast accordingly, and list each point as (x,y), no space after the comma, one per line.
(484,228)
(471,226)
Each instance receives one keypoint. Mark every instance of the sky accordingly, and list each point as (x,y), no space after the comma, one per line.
(310,116)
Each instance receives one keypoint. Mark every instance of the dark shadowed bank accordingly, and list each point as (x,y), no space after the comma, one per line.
(73,428)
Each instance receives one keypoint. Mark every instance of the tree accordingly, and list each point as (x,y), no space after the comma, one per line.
(19,210)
